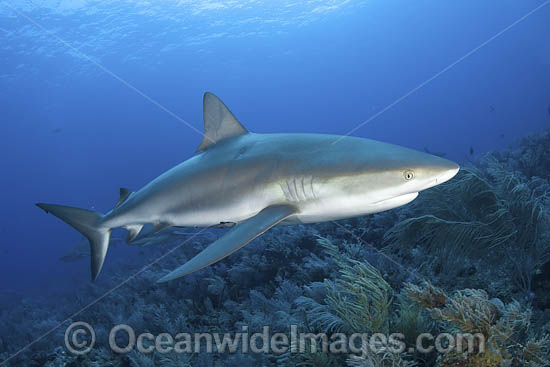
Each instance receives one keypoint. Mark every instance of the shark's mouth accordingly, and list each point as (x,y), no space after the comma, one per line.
(407,198)
(398,200)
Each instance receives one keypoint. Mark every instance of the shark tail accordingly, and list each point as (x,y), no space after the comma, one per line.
(88,223)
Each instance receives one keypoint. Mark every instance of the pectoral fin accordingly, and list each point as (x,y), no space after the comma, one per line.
(237,237)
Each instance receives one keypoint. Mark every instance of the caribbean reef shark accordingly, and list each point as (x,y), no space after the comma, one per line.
(252,182)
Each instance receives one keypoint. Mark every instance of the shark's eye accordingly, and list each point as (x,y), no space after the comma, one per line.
(409,175)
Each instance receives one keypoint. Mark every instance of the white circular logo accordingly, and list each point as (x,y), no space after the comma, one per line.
(79,338)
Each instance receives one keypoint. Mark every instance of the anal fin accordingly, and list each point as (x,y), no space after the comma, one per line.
(133,231)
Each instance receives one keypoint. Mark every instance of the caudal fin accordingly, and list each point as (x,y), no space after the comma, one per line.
(86,222)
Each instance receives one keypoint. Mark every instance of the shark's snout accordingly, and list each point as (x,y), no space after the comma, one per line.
(448,171)
(438,171)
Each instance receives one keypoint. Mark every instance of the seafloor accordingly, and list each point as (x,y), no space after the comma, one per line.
(469,256)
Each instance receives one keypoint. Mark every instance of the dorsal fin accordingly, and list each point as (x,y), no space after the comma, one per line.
(219,122)
(124,194)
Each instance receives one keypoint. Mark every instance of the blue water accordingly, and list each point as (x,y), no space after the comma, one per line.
(76,124)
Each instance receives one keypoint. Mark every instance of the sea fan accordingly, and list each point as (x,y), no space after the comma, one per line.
(358,301)
(479,213)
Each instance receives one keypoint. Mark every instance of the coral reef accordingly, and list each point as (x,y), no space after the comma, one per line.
(471,256)
(505,330)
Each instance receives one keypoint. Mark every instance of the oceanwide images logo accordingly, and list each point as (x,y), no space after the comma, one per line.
(80,338)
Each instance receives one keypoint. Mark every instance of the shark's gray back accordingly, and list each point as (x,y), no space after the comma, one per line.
(262,167)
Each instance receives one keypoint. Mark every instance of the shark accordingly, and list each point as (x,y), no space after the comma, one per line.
(251,182)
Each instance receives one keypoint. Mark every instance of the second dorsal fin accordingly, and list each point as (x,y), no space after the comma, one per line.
(124,195)
(219,122)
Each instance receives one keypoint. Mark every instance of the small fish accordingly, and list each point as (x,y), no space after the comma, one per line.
(548,110)
(80,251)
(439,154)
(471,150)
(56,130)
(72,257)
(492,108)
(502,136)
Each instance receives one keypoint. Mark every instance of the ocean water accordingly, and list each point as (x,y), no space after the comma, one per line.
(98,95)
